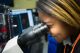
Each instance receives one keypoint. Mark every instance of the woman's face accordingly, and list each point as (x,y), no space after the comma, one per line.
(57,29)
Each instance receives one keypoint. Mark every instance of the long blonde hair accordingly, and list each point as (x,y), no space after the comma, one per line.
(67,11)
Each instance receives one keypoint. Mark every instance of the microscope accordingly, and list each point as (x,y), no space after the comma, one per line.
(29,36)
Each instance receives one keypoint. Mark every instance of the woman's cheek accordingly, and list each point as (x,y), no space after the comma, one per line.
(55,30)
(58,33)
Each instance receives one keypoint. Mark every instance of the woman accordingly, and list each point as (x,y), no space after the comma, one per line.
(63,19)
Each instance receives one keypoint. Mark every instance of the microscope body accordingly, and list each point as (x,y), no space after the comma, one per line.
(12,46)
(30,36)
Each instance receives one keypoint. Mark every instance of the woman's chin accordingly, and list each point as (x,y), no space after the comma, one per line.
(59,40)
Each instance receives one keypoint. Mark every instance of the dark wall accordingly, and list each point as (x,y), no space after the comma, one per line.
(7,2)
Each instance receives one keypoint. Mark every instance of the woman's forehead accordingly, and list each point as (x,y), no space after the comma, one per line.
(46,18)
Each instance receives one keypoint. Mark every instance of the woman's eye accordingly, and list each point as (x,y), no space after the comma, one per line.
(50,26)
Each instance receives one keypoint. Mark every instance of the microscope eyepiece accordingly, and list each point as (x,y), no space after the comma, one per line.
(32,33)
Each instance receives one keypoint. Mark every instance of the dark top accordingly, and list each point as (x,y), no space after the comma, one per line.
(77,47)
(69,48)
